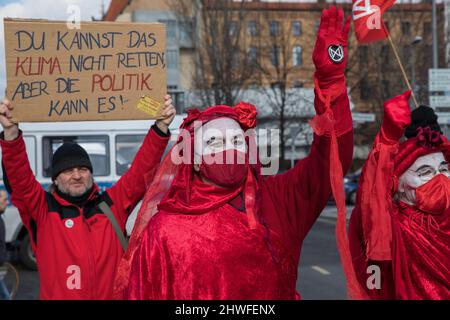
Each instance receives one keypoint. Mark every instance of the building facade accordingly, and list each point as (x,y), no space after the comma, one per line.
(275,44)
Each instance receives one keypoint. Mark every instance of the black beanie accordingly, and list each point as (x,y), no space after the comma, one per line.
(69,155)
(422,117)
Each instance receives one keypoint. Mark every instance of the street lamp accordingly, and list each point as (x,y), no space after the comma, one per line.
(414,42)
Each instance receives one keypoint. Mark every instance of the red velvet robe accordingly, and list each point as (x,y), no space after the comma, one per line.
(420,265)
(213,254)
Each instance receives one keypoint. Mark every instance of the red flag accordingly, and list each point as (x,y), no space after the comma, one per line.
(368,21)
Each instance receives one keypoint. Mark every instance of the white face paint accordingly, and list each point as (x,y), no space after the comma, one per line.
(218,135)
(421,171)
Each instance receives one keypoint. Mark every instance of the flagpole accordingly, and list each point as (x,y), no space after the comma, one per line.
(402,69)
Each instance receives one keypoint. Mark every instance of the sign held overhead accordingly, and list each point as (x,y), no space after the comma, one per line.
(97,72)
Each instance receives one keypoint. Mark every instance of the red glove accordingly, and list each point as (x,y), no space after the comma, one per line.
(330,50)
(397,116)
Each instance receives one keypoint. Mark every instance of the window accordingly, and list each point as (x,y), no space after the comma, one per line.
(275,56)
(386,88)
(406,28)
(126,148)
(364,89)
(274,28)
(316,27)
(177,97)
(297,56)
(427,31)
(363,53)
(254,86)
(277,85)
(171,29)
(385,55)
(407,53)
(233,28)
(235,59)
(296,28)
(172,59)
(96,146)
(253,55)
(30,146)
(363,57)
(252,28)
(298,84)
(187,31)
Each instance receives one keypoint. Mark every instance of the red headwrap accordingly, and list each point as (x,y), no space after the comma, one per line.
(182,198)
(426,141)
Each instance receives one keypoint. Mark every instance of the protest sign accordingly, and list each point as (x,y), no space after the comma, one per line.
(97,72)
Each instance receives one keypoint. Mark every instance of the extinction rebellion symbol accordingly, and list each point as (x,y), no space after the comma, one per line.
(336,53)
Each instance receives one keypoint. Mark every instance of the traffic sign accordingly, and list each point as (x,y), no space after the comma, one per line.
(363,117)
(439,79)
(443,117)
(439,102)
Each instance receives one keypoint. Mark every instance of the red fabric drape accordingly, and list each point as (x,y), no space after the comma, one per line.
(325,125)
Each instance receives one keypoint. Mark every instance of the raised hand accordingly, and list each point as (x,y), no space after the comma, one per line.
(11,130)
(330,50)
(167,115)
(397,116)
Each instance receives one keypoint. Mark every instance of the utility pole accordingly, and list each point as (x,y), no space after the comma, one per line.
(435,40)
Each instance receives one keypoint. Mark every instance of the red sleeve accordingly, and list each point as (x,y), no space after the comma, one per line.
(27,193)
(301,193)
(130,188)
(358,241)
(360,262)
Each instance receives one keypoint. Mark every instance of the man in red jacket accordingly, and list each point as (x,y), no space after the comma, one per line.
(76,247)
(220,230)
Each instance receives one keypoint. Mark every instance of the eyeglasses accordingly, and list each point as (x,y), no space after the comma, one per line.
(427,173)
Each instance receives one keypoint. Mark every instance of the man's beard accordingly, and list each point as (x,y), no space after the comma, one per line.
(76,193)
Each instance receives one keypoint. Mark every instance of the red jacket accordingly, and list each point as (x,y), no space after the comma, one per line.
(76,248)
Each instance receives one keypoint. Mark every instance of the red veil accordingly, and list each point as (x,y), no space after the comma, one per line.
(172,186)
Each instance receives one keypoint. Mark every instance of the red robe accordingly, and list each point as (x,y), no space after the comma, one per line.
(420,265)
(206,250)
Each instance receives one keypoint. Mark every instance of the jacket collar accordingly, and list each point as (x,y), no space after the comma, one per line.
(63,202)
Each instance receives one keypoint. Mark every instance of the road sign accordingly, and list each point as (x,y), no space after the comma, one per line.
(439,79)
(439,101)
(363,117)
(443,117)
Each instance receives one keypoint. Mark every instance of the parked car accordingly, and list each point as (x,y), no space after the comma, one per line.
(351,186)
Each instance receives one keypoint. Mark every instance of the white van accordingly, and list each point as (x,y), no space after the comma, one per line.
(111,146)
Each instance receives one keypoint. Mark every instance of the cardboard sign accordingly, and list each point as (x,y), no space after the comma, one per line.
(98,72)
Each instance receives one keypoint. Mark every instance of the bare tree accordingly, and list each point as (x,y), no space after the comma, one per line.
(281,58)
(220,73)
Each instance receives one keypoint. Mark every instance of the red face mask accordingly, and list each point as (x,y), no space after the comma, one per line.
(434,196)
(226,169)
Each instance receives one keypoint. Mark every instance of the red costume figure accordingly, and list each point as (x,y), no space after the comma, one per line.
(400,228)
(222,231)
